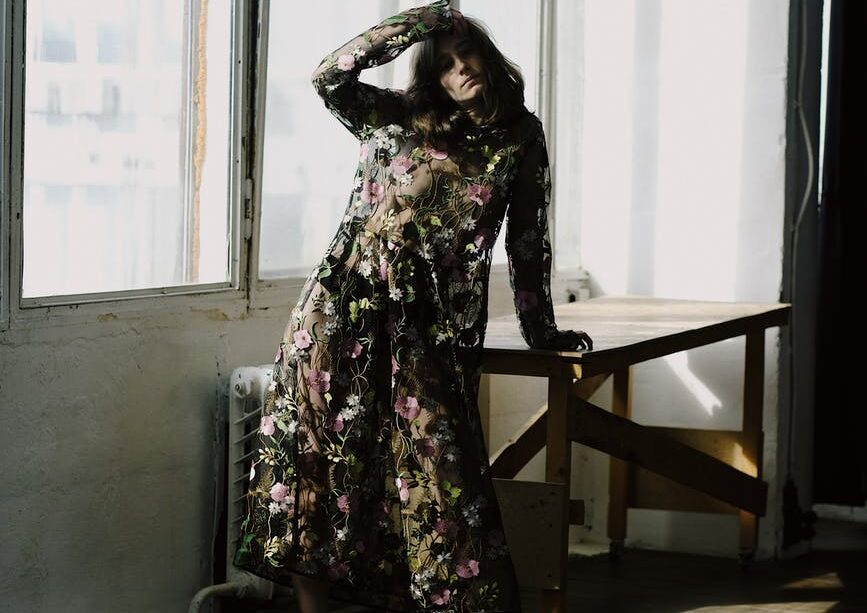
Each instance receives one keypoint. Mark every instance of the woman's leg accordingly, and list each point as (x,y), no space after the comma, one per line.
(312,594)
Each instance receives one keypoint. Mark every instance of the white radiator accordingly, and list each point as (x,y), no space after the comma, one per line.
(246,396)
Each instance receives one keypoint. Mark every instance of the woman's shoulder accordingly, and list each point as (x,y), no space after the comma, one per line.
(524,125)
(519,127)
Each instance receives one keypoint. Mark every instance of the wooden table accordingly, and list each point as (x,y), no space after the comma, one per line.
(651,467)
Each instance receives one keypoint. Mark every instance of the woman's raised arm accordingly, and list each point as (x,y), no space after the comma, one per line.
(529,252)
(360,106)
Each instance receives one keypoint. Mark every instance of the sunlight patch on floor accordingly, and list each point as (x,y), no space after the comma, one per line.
(828,581)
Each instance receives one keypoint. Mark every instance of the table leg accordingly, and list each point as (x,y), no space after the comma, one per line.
(754,378)
(558,469)
(618,482)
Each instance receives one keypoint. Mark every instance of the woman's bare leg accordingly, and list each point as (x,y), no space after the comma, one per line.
(312,594)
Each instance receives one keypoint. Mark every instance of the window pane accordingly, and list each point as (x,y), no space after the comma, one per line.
(126,144)
(310,158)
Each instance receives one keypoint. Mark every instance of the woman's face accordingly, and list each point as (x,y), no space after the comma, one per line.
(460,68)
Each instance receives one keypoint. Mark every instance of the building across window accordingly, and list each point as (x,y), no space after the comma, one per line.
(126,146)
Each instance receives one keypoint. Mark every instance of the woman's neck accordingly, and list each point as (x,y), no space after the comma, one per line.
(474,111)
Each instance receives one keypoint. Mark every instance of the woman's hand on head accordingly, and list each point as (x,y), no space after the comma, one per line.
(572,340)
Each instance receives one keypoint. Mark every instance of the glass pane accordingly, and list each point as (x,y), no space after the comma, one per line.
(309,157)
(126,145)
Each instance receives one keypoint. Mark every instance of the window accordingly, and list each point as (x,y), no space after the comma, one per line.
(309,158)
(129,125)
(126,146)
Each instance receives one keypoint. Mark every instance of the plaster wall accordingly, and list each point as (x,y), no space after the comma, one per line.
(107,436)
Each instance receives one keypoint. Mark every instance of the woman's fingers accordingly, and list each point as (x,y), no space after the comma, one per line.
(585,339)
(580,340)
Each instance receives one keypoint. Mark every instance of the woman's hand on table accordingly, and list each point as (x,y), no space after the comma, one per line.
(572,340)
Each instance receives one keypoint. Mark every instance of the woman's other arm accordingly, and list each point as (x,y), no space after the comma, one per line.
(360,106)
(529,252)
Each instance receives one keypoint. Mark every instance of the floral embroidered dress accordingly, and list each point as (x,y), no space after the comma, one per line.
(371,470)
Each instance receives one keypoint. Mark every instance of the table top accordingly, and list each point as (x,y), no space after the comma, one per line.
(631,329)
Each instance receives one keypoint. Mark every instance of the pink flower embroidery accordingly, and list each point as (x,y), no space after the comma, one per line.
(467,568)
(352,348)
(400,165)
(441,596)
(425,447)
(526,300)
(334,422)
(407,406)
(279,492)
(383,269)
(483,238)
(479,193)
(302,339)
(346,61)
(371,192)
(436,153)
(430,19)
(343,503)
(362,155)
(394,366)
(338,570)
(320,380)
(446,527)
(402,489)
(266,425)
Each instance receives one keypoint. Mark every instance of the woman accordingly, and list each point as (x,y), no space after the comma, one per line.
(372,479)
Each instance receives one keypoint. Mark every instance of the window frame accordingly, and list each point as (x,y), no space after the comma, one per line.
(19,312)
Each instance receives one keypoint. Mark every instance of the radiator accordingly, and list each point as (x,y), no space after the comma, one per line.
(246,396)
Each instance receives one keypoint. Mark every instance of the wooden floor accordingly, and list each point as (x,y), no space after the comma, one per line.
(832,579)
(658,582)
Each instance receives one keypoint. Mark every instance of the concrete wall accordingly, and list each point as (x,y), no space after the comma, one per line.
(107,435)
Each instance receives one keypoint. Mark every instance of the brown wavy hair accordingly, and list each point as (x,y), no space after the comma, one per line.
(434,115)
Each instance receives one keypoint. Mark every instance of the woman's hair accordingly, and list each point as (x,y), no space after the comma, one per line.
(434,115)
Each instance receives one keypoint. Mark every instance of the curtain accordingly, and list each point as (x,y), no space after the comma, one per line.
(840,469)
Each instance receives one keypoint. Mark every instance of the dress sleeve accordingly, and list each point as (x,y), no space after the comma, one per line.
(528,246)
(359,105)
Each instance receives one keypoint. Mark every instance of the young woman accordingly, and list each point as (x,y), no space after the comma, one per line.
(372,481)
